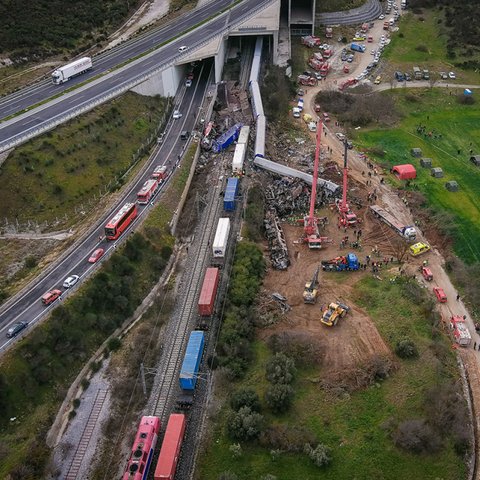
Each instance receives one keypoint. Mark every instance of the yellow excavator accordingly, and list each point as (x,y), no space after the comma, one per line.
(311,289)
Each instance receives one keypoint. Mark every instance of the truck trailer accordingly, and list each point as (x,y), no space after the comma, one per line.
(208,292)
(406,231)
(244,133)
(231,192)
(191,361)
(343,263)
(65,73)
(221,238)
(239,158)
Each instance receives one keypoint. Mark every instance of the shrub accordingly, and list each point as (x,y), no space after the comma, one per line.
(30,262)
(280,369)
(297,345)
(406,349)
(320,455)
(228,476)
(85,383)
(76,402)
(236,450)
(245,397)
(244,424)
(286,438)
(114,344)
(279,397)
(421,48)
(416,436)
(465,99)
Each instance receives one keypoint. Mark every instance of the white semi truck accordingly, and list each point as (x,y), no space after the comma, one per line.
(406,231)
(65,73)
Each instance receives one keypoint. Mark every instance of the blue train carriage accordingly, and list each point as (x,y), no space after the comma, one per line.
(230,195)
(191,361)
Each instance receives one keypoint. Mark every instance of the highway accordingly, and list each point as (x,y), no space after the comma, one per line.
(28,308)
(98,90)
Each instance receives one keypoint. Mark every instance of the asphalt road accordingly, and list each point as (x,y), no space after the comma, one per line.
(29,308)
(96,90)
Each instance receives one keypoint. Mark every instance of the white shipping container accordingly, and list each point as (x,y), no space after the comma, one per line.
(239,157)
(244,133)
(221,238)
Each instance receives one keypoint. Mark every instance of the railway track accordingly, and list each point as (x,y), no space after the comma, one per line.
(87,433)
(163,391)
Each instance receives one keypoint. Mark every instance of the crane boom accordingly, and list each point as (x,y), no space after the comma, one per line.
(310,227)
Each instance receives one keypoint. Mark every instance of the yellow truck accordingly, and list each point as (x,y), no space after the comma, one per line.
(333,313)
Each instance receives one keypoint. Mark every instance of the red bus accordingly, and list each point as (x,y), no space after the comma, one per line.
(142,450)
(121,220)
(172,443)
(148,191)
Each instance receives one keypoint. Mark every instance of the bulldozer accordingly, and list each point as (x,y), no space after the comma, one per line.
(333,313)
(311,289)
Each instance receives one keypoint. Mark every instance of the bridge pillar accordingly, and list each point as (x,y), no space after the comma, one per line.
(220,60)
(163,83)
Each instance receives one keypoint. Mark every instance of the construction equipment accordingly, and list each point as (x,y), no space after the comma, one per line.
(333,313)
(347,217)
(339,264)
(311,289)
(310,222)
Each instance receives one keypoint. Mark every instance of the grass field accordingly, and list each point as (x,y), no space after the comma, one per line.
(56,176)
(459,127)
(421,42)
(355,426)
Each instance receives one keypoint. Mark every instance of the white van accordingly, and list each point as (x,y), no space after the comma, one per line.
(296,112)
(391,22)
(300,104)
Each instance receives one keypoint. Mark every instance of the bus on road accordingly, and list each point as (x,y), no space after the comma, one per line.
(148,191)
(121,220)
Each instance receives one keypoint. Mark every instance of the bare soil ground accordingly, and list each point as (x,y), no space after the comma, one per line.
(355,339)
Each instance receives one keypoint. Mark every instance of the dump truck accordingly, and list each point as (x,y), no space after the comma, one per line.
(406,231)
(343,263)
(311,289)
(333,313)
(460,331)
(65,73)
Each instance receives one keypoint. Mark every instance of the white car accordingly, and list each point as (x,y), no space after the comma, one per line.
(182,48)
(373,52)
(443,75)
(177,114)
(188,83)
(70,281)
(381,17)
(452,75)
(340,136)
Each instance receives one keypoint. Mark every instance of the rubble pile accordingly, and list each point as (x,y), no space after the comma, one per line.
(276,241)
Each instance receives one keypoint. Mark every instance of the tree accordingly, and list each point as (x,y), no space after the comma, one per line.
(405,348)
(279,397)
(280,369)
(245,397)
(245,424)
(320,455)
(236,450)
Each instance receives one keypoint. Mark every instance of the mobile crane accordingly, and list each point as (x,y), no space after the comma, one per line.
(347,217)
(311,289)
(310,222)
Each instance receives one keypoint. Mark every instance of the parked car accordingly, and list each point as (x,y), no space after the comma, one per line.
(399,77)
(70,281)
(443,75)
(326,117)
(300,92)
(378,80)
(177,114)
(381,17)
(452,75)
(51,296)
(340,136)
(317,107)
(419,248)
(407,76)
(440,294)
(96,255)
(16,328)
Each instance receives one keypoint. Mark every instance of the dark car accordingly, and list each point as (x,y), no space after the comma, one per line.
(399,77)
(16,328)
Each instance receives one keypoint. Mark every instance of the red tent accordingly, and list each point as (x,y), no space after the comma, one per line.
(404,172)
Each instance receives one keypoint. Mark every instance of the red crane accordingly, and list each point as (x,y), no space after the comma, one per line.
(310,222)
(347,217)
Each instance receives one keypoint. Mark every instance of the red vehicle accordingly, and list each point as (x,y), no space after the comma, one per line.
(170,451)
(440,294)
(346,69)
(208,292)
(317,107)
(160,173)
(427,274)
(96,255)
(51,296)
(148,191)
(121,220)
(369,39)
(326,117)
(142,450)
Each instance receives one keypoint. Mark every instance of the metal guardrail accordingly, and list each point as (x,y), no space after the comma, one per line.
(124,87)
